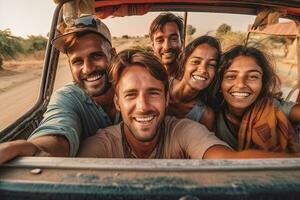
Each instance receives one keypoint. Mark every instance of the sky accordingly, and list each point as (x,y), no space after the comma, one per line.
(33,17)
(26,17)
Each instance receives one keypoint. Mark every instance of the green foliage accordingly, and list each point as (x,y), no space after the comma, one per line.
(223,29)
(190,30)
(10,46)
(35,43)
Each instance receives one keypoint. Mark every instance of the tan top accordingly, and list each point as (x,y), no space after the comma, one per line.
(183,138)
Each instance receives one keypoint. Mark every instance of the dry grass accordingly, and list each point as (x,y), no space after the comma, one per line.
(123,43)
(25,62)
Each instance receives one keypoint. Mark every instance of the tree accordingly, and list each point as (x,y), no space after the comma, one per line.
(10,46)
(35,43)
(190,30)
(223,29)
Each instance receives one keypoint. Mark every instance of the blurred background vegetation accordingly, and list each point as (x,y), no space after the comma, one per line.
(12,47)
(33,46)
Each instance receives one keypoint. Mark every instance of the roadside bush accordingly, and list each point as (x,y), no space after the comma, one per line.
(190,30)
(10,46)
(35,43)
(223,29)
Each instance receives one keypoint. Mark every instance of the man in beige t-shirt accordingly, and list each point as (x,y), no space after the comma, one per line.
(180,138)
(141,95)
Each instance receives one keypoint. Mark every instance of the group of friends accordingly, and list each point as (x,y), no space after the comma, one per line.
(193,102)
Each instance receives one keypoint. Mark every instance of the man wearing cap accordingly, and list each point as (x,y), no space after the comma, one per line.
(78,109)
(166,34)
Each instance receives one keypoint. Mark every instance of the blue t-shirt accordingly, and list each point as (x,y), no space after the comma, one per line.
(73,114)
(196,112)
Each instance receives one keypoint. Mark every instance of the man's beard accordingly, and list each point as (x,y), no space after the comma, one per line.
(175,53)
(107,85)
(135,133)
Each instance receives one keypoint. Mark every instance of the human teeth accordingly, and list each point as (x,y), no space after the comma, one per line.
(199,78)
(240,94)
(144,119)
(168,54)
(93,77)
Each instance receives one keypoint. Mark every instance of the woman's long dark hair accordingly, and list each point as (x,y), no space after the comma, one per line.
(271,82)
(204,95)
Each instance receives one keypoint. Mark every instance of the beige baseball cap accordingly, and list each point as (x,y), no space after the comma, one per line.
(87,23)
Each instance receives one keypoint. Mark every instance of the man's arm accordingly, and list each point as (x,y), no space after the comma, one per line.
(49,145)
(59,132)
(295,113)
(208,118)
(12,149)
(52,145)
(223,152)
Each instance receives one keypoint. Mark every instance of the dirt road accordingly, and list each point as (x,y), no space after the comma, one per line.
(19,88)
(21,93)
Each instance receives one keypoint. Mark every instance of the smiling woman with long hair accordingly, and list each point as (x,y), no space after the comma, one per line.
(250,117)
(189,91)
